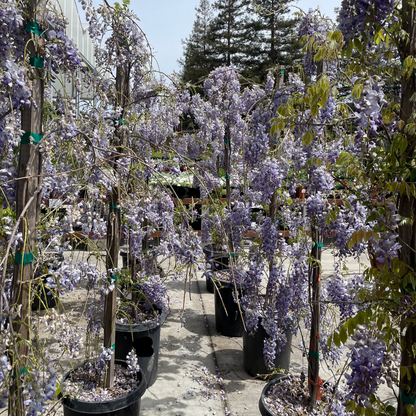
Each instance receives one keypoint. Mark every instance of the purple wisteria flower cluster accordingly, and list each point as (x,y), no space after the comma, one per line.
(369,359)
(357,17)
(39,391)
(154,293)
(133,366)
(5,368)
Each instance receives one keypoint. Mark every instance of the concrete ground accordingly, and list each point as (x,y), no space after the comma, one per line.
(200,371)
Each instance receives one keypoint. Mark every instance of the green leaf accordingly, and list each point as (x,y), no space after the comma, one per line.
(361,317)
(337,340)
(369,412)
(358,45)
(356,91)
(343,335)
(273,129)
(403,144)
(349,49)
(307,138)
(404,372)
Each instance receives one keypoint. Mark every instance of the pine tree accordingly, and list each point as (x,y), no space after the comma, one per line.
(198,59)
(272,38)
(227,32)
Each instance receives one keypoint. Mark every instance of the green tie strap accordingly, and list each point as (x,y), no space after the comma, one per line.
(226,140)
(314,355)
(26,137)
(406,399)
(33,27)
(25,259)
(115,207)
(119,122)
(114,278)
(37,61)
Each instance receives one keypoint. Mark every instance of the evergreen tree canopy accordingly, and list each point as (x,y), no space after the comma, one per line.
(252,36)
(272,38)
(197,61)
(227,31)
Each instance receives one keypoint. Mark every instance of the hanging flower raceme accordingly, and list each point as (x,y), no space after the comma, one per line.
(237,221)
(356,17)
(386,246)
(368,355)
(154,291)
(369,119)
(268,178)
(314,28)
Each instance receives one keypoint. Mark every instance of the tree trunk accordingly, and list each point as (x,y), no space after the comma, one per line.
(28,192)
(315,284)
(227,168)
(407,235)
(407,209)
(114,223)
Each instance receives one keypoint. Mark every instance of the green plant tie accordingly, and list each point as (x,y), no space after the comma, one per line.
(119,122)
(320,245)
(227,141)
(113,278)
(406,399)
(115,207)
(23,371)
(26,137)
(33,27)
(25,259)
(232,255)
(282,72)
(145,248)
(113,347)
(314,355)
(227,176)
(37,61)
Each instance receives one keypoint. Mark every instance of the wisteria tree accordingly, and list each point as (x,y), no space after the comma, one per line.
(28,44)
(353,73)
(96,149)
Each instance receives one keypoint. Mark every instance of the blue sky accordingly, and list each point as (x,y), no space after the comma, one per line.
(167,22)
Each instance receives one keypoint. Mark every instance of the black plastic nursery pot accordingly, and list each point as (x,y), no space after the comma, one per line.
(128,405)
(44,297)
(210,284)
(194,193)
(179,191)
(218,260)
(263,407)
(145,339)
(253,352)
(228,320)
